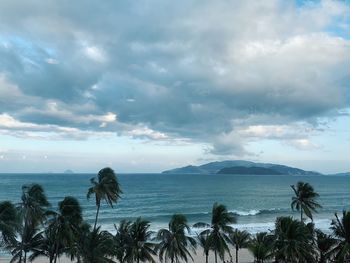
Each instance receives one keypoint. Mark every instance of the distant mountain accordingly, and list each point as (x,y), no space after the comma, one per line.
(68,172)
(214,167)
(248,170)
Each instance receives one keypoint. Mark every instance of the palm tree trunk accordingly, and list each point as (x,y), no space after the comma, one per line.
(301,215)
(98,210)
(216,257)
(206,258)
(56,253)
(25,257)
(236,255)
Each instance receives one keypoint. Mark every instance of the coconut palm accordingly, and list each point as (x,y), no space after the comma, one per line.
(341,231)
(174,243)
(33,211)
(305,199)
(325,244)
(8,222)
(204,241)
(31,238)
(47,246)
(65,225)
(239,239)
(219,230)
(139,248)
(293,241)
(261,246)
(95,246)
(34,204)
(122,240)
(105,187)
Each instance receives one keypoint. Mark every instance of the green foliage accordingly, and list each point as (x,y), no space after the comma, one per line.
(341,231)
(293,241)
(305,199)
(95,246)
(174,244)
(325,245)
(239,239)
(261,246)
(8,222)
(219,229)
(32,213)
(106,187)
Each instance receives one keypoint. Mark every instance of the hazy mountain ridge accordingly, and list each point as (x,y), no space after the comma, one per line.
(215,167)
(248,170)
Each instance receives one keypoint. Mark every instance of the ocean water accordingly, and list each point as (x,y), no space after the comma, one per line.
(256,200)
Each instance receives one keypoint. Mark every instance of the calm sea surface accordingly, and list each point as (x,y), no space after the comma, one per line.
(257,200)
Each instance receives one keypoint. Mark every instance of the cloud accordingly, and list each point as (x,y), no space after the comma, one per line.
(219,73)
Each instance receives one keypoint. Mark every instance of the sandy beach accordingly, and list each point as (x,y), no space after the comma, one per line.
(244,257)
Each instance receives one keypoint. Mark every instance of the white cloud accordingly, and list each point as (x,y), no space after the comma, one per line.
(95,53)
(52,61)
(303,144)
(145,132)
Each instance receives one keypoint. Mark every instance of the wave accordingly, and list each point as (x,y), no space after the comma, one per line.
(254,212)
(113,215)
(253,228)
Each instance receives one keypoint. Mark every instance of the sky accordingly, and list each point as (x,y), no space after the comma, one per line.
(148,85)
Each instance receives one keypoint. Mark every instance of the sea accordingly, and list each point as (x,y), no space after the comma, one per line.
(256,200)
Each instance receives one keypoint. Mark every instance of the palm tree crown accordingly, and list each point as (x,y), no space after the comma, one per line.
(305,199)
(139,248)
(325,245)
(33,211)
(106,187)
(8,222)
(341,230)
(261,247)
(174,242)
(95,246)
(293,241)
(239,239)
(218,230)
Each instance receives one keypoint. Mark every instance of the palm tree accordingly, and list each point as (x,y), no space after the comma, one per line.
(33,211)
(8,222)
(305,199)
(341,230)
(65,224)
(31,238)
(325,244)
(47,245)
(122,240)
(204,241)
(261,246)
(106,187)
(218,230)
(239,239)
(293,241)
(174,242)
(140,249)
(95,246)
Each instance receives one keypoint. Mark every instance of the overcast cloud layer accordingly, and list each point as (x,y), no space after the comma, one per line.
(221,73)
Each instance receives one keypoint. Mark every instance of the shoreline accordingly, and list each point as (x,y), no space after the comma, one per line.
(244,257)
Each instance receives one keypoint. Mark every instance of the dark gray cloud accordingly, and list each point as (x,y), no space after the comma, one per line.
(202,70)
